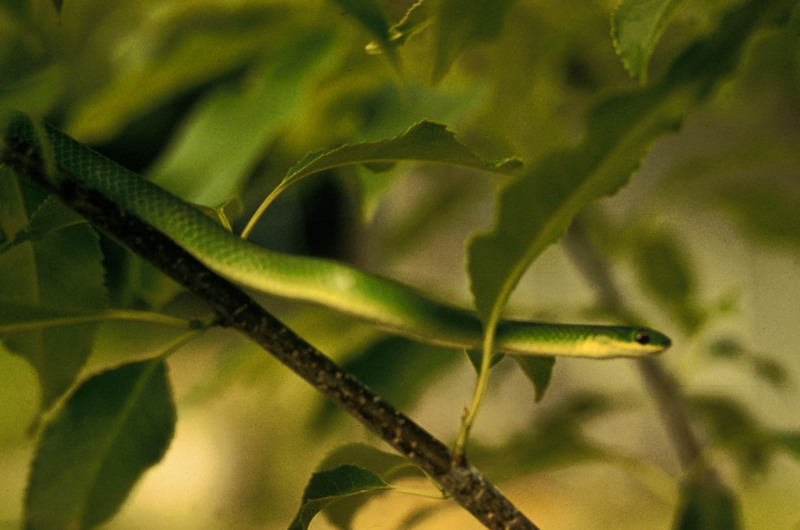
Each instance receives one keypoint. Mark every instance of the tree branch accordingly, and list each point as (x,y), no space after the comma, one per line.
(235,309)
(662,386)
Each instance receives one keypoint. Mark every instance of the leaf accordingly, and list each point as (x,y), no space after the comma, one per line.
(418,17)
(225,212)
(49,217)
(462,22)
(327,487)
(474,357)
(226,134)
(365,456)
(186,46)
(16,318)
(371,16)
(381,463)
(636,26)
(707,507)
(539,370)
(665,270)
(60,272)
(425,141)
(535,211)
(115,426)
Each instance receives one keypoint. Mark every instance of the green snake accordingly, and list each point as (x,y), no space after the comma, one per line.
(384,303)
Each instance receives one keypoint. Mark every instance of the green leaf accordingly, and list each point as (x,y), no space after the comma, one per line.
(425,141)
(327,487)
(365,456)
(636,26)
(186,46)
(382,463)
(16,318)
(463,22)
(225,212)
(418,17)
(227,133)
(664,269)
(535,211)
(707,507)
(61,272)
(49,217)
(115,426)
(539,370)
(369,14)
(474,358)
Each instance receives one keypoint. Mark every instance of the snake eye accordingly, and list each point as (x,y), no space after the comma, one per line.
(642,337)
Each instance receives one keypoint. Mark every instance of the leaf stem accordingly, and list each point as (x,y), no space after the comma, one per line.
(481,385)
(129,315)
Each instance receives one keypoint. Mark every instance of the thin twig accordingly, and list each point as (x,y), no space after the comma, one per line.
(661,384)
(237,310)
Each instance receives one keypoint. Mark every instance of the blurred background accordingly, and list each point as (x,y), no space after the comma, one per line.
(215,99)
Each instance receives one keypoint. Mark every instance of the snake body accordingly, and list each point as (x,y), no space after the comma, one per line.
(384,303)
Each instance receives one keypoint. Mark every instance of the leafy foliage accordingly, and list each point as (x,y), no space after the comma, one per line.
(636,27)
(216,100)
(326,487)
(108,433)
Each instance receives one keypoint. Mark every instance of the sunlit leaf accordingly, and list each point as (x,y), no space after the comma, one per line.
(327,487)
(112,429)
(636,26)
